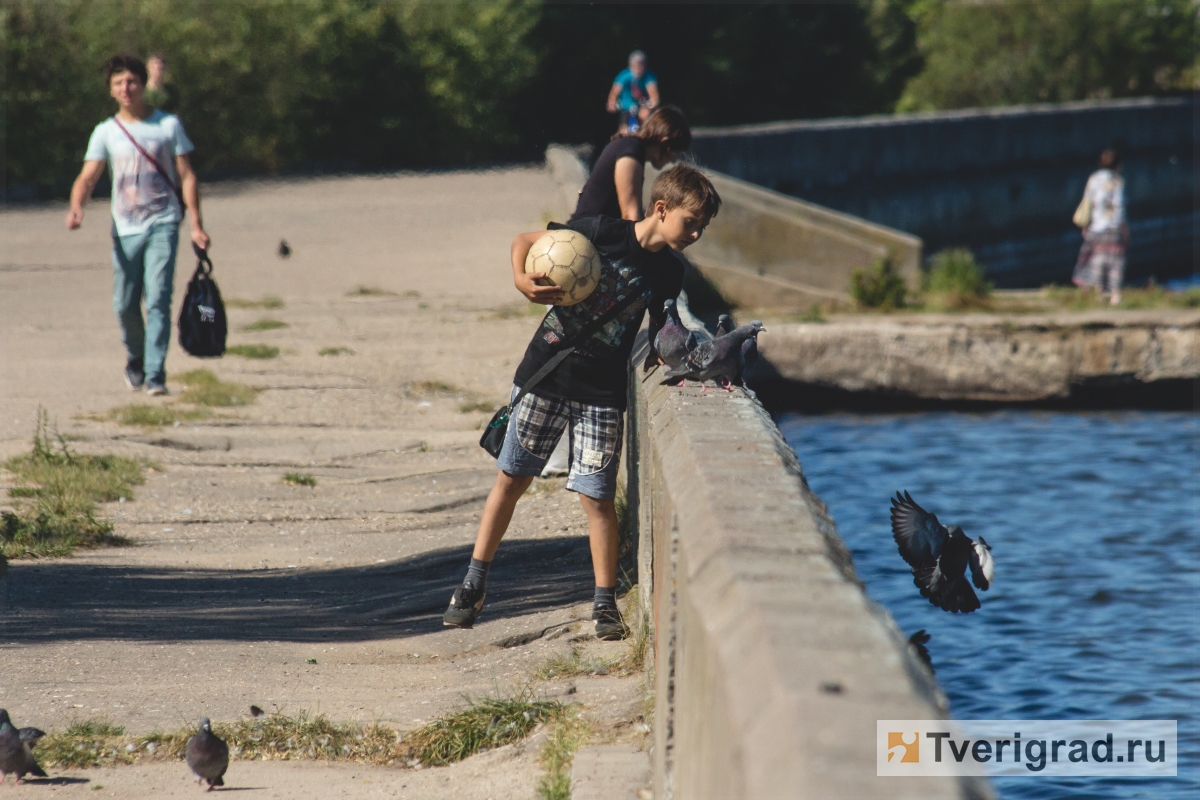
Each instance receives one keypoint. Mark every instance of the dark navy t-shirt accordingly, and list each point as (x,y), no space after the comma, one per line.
(599,195)
(598,371)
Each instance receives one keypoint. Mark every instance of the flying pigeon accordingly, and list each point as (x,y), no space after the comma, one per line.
(939,557)
(30,736)
(15,755)
(207,755)
(673,341)
(719,360)
(284,251)
(918,642)
(724,324)
(255,711)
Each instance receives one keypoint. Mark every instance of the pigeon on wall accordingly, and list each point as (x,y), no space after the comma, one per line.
(15,755)
(724,324)
(207,755)
(940,556)
(748,360)
(719,360)
(673,340)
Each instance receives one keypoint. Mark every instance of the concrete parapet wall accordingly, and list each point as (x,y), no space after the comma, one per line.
(1003,181)
(988,358)
(767,250)
(771,666)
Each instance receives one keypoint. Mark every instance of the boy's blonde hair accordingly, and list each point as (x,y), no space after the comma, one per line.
(684,186)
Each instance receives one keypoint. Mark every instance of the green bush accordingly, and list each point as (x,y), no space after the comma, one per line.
(878,286)
(956,272)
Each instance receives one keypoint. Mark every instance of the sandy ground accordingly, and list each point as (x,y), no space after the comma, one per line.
(237,582)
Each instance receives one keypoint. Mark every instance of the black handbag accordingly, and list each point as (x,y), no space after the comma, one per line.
(492,439)
(202,323)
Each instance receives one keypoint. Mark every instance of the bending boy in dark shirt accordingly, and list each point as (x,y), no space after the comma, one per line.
(585,395)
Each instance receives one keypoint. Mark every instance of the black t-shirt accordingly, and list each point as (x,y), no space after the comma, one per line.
(597,372)
(599,195)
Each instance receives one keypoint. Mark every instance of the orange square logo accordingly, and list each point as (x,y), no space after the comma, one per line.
(909,752)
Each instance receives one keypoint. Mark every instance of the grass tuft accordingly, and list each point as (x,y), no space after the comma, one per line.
(299,479)
(878,286)
(252,351)
(151,415)
(420,388)
(471,406)
(265,324)
(369,291)
(57,491)
(569,731)
(517,311)
(270,303)
(206,389)
(335,351)
(483,725)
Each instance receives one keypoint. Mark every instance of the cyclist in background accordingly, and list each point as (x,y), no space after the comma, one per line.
(634,93)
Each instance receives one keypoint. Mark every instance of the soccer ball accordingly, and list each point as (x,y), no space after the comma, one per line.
(570,262)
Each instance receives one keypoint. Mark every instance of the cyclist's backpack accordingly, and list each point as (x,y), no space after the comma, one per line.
(202,325)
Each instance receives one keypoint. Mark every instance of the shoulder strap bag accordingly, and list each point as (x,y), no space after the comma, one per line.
(154,162)
(493,435)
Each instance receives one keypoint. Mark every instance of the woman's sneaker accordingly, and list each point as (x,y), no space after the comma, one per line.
(609,625)
(465,606)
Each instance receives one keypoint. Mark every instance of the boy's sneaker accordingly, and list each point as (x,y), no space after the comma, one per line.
(465,606)
(609,625)
(156,387)
(134,376)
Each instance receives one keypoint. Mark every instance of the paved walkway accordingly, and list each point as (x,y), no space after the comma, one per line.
(238,580)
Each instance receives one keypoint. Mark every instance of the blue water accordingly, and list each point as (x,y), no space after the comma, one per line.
(1094,524)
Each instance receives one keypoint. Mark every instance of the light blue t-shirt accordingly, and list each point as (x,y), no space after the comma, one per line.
(140,194)
(633,90)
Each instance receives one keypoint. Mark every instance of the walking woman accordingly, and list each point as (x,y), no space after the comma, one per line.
(615,186)
(1101,214)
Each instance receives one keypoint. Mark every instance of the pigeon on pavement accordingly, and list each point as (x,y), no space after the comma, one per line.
(719,360)
(207,755)
(30,736)
(724,324)
(284,251)
(15,755)
(918,642)
(939,557)
(255,711)
(672,342)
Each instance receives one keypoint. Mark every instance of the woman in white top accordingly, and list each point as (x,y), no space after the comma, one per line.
(1105,231)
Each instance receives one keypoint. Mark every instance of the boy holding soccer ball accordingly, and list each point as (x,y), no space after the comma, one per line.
(584,396)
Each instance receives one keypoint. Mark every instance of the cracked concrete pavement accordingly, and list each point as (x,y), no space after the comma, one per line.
(237,582)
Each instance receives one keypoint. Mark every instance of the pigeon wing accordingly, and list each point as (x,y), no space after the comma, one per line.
(918,642)
(696,361)
(918,534)
(983,568)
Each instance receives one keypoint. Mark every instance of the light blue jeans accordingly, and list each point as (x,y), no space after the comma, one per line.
(144,263)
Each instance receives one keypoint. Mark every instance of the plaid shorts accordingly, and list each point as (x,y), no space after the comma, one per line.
(536,425)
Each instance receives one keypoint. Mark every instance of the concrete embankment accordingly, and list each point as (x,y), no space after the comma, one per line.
(771,666)
(1101,359)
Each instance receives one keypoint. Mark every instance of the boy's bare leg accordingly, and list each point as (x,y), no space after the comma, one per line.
(602,531)
(498,511)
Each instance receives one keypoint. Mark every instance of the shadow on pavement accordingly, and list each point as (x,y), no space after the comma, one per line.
(49,601)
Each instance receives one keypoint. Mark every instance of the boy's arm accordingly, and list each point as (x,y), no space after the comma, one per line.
(629,173)
(652,359)
(81,190)
(532,284)
(191,196)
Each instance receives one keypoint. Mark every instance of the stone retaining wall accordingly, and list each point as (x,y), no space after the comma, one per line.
(770,664)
